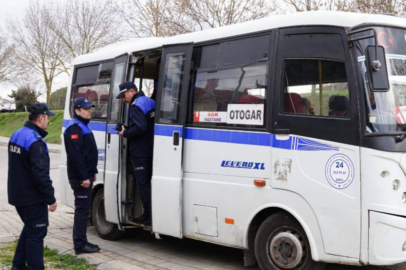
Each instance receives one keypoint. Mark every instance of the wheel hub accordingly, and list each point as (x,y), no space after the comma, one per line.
(286,250)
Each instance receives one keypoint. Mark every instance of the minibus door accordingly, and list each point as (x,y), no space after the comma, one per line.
(168,140)
(112,185)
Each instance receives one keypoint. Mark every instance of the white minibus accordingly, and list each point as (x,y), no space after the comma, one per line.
(284,137)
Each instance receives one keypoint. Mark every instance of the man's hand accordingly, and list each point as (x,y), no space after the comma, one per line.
(95,178)
(86,183)
(121,133)
(52,207)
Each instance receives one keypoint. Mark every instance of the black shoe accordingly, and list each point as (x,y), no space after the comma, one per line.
(87,249)
(140,220)
(92,245)
(19,268)
(146,222)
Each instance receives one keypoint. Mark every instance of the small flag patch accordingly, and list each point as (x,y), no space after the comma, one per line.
(74,136)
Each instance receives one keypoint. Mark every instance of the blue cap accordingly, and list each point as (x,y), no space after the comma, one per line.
(125,86)
(40,108)
(82,103)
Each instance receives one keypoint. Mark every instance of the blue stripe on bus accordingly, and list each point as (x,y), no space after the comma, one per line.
(111,129)
(229,136)
(247,138)
(95,126)
(226,136)
(162,130)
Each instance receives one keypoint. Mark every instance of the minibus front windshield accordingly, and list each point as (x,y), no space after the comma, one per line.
(386,111)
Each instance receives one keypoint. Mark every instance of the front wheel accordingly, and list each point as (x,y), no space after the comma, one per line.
(105,229)
(281,244)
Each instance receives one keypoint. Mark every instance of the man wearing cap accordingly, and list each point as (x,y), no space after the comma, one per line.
(140,134)
(30,187)
(82,157)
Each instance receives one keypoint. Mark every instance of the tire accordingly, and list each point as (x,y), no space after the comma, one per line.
(105,229)
(281,244)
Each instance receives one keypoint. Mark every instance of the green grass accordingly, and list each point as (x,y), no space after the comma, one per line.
(10,122)
(52,259)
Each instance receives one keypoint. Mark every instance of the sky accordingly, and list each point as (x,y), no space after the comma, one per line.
(14,9)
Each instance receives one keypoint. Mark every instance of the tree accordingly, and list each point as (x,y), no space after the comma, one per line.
(57,100)
(83,26)
(159,18)
(314,5)
(6,57)
(397,7)
(38,50)
(205,14)
(24,97)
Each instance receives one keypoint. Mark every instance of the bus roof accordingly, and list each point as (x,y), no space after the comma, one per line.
(326,18)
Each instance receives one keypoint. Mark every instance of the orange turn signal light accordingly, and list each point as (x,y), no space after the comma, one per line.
(259,183)
(230,221)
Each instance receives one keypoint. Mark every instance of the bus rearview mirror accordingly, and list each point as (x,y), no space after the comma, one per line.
(377,68)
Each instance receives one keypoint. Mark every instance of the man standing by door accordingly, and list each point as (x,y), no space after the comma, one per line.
(140,134)
(82,156)
(30,188)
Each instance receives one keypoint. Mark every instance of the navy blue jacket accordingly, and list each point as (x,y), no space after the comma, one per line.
(81,151)
(140,132)
(28,167)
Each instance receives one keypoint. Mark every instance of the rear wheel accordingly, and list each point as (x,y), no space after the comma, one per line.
(105,229)
(281,243)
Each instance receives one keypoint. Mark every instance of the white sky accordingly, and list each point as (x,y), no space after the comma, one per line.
(14,9)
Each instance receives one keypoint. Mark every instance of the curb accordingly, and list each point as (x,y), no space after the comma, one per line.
(56,151)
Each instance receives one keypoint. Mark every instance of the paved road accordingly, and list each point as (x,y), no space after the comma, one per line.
(140,252)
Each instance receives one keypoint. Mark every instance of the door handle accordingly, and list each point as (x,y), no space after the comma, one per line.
(108,137)
(282,131)
(176,136)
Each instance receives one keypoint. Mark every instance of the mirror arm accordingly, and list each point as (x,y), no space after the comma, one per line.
(377,65)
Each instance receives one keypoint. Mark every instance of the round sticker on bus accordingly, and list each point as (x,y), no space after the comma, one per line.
(340,171)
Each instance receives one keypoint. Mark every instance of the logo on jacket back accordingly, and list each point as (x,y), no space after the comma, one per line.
(15,149)
(243,165)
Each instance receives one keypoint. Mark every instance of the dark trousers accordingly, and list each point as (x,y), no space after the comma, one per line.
(30,247)
(83,199)
(143,172)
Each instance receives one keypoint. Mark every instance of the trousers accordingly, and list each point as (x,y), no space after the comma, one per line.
(83,199)
(143,172)
(30,246)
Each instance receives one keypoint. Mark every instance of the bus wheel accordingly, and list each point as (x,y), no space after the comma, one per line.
(281,243)
(105,229)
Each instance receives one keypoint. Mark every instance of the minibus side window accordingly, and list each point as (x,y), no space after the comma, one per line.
(93,83)
(315,87)
(229,83)
(172,87)
(231,96)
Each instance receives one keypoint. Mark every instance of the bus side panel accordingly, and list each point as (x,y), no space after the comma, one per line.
(327,175)
(66,192)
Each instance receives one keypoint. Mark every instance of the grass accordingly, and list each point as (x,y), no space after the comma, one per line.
(10,122)
(52,259)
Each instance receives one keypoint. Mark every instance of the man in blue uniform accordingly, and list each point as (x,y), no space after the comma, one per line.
(140,134)
(82,156)
(29,186)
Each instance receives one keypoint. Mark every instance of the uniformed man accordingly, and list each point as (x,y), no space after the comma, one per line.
(82,157)
(140,134)
(29,186)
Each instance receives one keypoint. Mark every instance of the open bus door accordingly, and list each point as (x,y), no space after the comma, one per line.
(112,183)
(168,139)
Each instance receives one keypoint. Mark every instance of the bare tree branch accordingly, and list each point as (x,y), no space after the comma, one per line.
(37,47)
(6,59)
